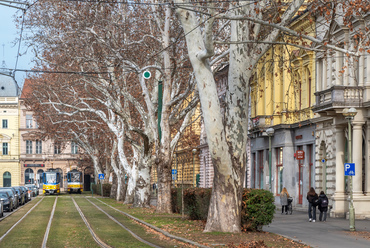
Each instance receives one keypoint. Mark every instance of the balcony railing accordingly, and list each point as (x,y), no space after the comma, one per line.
(339,97)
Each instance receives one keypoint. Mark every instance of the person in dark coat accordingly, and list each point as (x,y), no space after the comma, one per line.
(323,206)
(312,197)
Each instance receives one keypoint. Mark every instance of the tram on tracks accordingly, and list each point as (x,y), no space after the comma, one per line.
(51,182)
(74,180)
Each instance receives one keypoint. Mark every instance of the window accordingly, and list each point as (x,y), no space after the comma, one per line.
(29,176)
(279,170)
(57,148)
(38,146)
(5,123)
(311,170)
(74,147)
(28,121)
(260,169)
(28,147)
(7,179)
(5,148)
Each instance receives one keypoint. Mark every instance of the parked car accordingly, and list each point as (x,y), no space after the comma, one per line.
(12,197)
(16,196)
(27,194)
(21,199)
(7,201)
(33,188)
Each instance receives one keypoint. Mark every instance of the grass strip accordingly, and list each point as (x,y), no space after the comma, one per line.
(30,232)
(9,221)
(139,229)
(107,230)
(68,229)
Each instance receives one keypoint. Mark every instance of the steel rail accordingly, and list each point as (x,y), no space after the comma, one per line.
(167,234)
(93,234)
(124,227)
(29,211)
(49,224)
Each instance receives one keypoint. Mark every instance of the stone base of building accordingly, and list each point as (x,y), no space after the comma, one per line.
(341,203)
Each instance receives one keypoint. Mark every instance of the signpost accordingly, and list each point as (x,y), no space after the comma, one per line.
(349,169)
(174,174)
(300,154)
(101,178)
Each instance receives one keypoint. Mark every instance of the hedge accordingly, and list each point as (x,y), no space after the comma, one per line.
(106,189)
(257,206)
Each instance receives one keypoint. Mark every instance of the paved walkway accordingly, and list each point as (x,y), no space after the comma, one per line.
(332,233)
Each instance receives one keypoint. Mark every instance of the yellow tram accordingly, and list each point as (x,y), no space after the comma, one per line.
(51,182)
(75,183)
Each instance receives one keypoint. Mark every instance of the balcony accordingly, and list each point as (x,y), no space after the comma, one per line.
(338,97)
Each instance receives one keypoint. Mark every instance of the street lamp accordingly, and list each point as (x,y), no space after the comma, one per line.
(194,152)
(270,132)
(349,114)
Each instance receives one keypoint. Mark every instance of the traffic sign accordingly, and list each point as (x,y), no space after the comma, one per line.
(349,169)
(101,176)
(147,74)
(174,171)
(323,160)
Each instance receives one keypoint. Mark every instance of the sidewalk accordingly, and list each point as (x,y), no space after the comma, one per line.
(332,233)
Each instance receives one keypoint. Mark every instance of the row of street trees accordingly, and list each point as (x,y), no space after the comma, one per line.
(92,56)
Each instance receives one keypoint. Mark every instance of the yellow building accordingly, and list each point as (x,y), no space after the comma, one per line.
(9,134)
(281,131)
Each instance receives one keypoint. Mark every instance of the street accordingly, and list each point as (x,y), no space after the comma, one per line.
(332,233)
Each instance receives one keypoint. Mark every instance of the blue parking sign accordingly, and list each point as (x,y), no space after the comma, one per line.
(101,176)
(349,169)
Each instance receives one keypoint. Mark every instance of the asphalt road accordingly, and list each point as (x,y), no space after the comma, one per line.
(332,233)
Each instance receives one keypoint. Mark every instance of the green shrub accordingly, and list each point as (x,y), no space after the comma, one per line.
(257,209)
(106,189)
(196,202)
(176,203)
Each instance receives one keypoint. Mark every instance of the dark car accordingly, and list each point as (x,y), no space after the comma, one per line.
(7,201)
(22,196)
(15,196)
(27,194)
(11,195)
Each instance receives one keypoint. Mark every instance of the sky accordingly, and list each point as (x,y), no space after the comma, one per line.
(8,35)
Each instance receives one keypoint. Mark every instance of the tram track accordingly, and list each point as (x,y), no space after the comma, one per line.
(154,227)
(45,240)
(93,234)
(123,226)
(20,220)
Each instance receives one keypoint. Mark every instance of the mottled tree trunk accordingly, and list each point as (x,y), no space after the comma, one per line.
(142,189)
(164,187)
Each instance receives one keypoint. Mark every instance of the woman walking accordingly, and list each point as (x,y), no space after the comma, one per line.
(284,200)
(312,197)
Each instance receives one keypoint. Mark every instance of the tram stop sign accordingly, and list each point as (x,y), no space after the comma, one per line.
(349,169)
(101,176)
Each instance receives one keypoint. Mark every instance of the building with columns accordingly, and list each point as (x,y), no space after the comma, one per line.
(343,82)
(282,134)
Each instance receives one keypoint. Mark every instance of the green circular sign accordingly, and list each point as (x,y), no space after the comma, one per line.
(147,74)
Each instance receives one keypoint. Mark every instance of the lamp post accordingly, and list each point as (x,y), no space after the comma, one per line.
(194,152)
(270,132)
(349,114)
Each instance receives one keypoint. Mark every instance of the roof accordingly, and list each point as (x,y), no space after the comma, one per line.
(26,91)
(8,86)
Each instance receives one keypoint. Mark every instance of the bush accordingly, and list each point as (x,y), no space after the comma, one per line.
(106,189)
(257,206)
(257,209)
(196,201)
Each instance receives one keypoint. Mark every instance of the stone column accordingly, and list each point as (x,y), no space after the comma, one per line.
(338,68)
(324,74)
(330,69)
(357,158)
(339,161)
(367,159)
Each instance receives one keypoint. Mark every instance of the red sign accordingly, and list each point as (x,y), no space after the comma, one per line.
(300,154)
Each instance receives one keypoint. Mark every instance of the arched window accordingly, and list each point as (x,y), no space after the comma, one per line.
(29,176)
(7,179)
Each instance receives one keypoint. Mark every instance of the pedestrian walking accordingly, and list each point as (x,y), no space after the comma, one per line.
(284,200)
(312,198)
(323,206)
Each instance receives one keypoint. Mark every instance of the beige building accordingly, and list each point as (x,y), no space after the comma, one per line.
(37,155)
(9,134)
